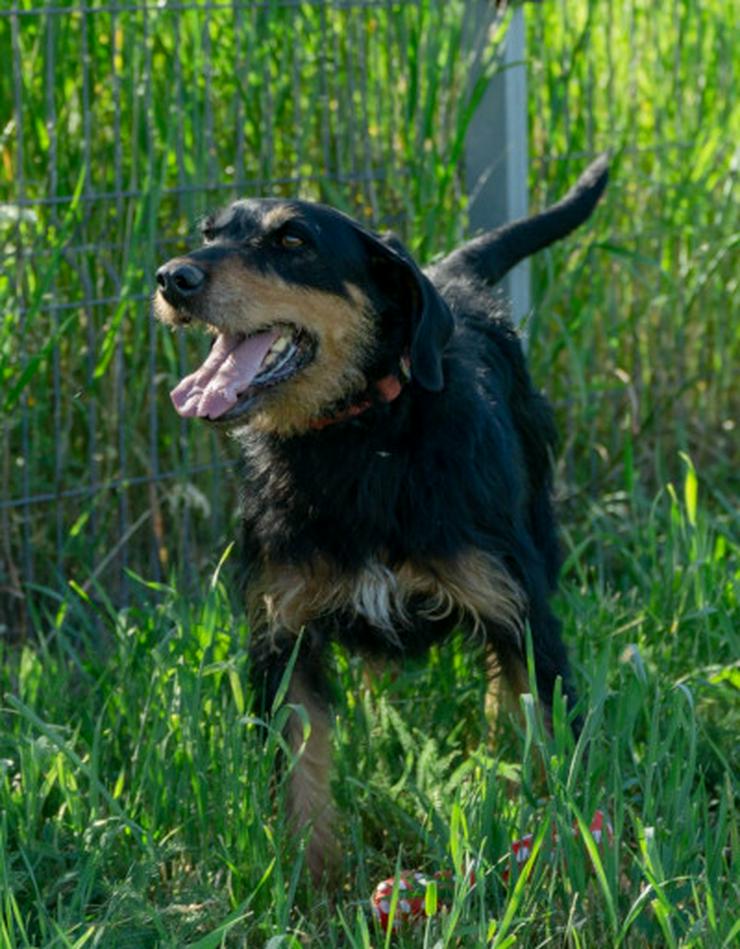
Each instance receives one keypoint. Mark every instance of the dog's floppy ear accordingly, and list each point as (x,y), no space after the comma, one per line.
(432,322)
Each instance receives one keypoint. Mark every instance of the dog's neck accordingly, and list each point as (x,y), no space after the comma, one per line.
(386,389)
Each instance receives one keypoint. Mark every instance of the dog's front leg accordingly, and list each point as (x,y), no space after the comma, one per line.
(308,735)
(309,793)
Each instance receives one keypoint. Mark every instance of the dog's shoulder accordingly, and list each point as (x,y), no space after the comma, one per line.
(486,350)
(487,355)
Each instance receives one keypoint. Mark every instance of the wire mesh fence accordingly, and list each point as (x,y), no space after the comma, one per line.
(128,121)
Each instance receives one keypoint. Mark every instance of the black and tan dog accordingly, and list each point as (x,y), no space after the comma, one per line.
(397,457)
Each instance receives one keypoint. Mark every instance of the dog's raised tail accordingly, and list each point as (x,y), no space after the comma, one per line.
(492,255)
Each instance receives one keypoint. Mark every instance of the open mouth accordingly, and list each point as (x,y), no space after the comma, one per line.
(238,368)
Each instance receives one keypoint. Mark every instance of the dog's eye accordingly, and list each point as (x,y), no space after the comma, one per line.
(208,233)
(291,241)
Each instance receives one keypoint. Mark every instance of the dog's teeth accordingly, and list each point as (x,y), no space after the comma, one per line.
(281,353)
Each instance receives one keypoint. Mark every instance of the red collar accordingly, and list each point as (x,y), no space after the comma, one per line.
(386,389)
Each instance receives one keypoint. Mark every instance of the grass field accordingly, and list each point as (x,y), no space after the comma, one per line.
(138,802)
(136,794)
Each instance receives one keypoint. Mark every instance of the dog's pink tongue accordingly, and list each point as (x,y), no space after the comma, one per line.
(227,372)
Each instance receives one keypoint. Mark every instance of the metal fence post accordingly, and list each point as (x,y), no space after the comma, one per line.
(496,153)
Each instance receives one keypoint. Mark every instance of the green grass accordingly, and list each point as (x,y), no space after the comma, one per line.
(638,336)
(138,808)
(138,802)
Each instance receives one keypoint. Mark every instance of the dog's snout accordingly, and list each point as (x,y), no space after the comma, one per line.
(179,281)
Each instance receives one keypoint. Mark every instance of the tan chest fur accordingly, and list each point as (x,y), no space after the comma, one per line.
(474,585)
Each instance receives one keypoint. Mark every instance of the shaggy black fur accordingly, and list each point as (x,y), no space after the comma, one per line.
(459,461)
(431,474)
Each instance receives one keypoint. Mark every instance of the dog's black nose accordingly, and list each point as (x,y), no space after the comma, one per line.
(179,281)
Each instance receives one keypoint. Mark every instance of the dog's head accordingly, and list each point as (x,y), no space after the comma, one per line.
(308,309)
